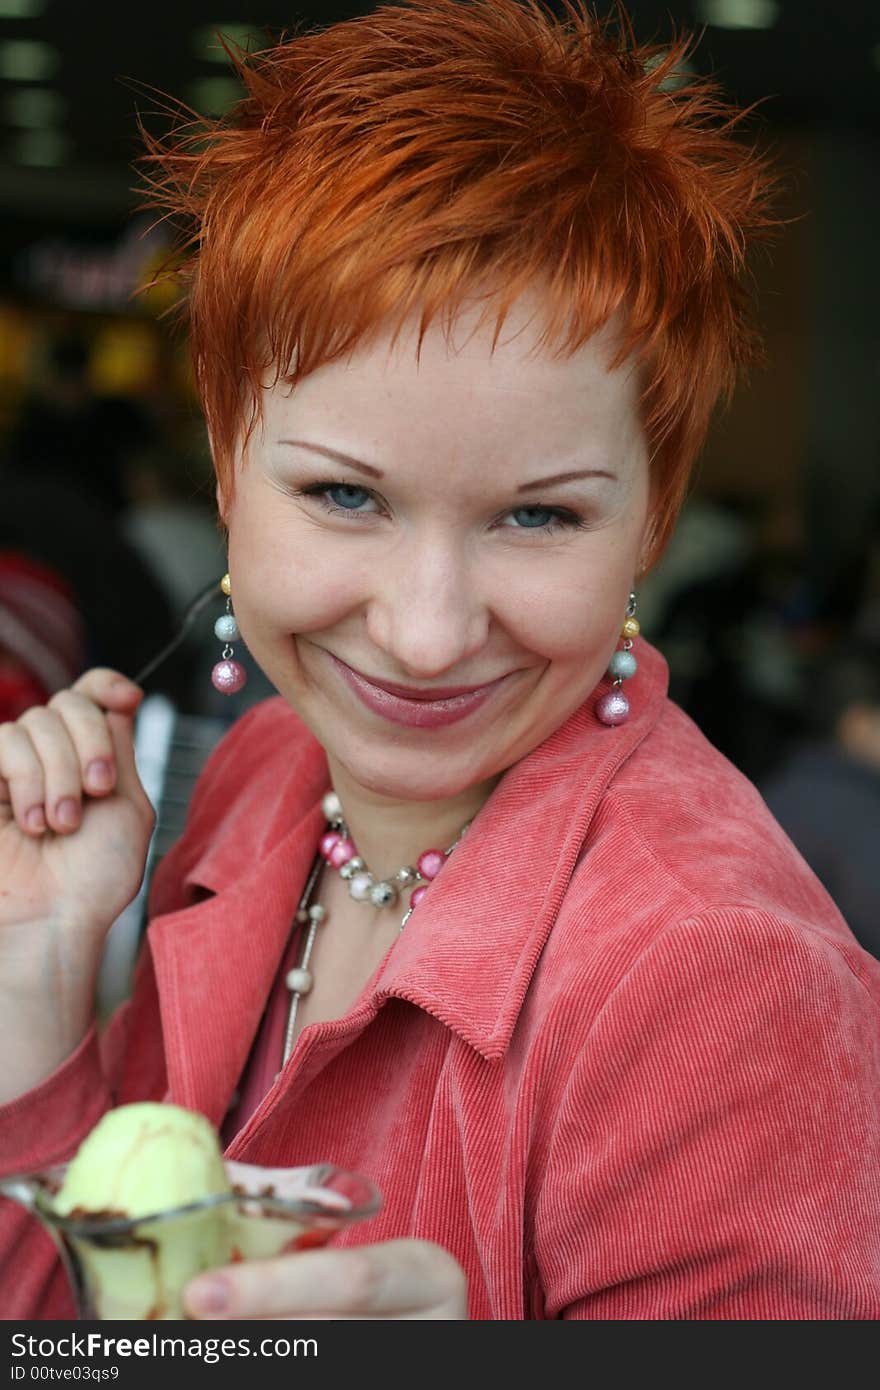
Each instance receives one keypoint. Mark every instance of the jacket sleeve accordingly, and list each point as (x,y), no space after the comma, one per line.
(43,1127)
(716,1152)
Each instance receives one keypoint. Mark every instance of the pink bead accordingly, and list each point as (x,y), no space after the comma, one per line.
(228,677)
(327,842)
(341,852)
(613,708)
(430,863)
(417,894)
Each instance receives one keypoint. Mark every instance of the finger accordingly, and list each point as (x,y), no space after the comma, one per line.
(398,1278)
(87,726)
(62,778)
(22,786)
(121,730)
(109,689)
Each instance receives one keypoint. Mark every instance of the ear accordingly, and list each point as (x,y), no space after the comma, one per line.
(221,504)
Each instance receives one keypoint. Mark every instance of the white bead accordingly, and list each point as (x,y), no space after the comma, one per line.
(226,628)
(332,806)
(359,887)
(317,913)
(299,981)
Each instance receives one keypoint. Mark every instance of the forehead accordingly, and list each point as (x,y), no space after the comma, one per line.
(460,384)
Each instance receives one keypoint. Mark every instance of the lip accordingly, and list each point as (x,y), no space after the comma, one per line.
(454,702)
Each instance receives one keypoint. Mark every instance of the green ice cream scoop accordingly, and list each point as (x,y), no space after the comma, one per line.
(138,1162)
(142,1159)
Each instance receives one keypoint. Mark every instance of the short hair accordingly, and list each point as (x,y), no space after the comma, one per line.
(402,160)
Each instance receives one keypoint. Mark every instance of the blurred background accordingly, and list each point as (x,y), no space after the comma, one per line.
(767,605)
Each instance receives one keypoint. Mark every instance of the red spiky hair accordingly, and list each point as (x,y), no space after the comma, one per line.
(402,160)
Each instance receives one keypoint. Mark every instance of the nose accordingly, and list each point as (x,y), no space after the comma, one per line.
(426,612)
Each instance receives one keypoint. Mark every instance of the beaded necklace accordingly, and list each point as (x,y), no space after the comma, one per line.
(337,849)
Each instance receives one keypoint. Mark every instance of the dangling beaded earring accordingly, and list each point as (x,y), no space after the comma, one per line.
(228,676)
(613,707)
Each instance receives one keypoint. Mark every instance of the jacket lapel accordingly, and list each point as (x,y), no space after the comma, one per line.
(215,963)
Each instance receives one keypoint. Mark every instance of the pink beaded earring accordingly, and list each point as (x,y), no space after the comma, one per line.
(228,676)
(613,707)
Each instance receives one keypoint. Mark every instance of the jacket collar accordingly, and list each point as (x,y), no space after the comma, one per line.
(464,957)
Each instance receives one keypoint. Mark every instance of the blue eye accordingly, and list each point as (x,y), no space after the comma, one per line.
(541,511)
(349,499)
(554,519)
(346,488)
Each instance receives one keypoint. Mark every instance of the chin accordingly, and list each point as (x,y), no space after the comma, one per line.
(408,776)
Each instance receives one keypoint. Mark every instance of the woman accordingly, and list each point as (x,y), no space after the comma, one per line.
(464,289)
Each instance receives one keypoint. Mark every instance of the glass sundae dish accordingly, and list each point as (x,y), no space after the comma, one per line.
(148,1202)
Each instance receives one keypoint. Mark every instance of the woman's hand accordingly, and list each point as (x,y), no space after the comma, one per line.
(75,825)
(392,1279)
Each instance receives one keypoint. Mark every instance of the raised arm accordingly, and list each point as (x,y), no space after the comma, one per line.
(75,824)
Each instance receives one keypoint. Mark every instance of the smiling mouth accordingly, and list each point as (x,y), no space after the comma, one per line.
(408,692)
(422,709)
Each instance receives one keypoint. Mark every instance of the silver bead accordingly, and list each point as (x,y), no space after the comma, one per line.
(226,628)
(359,887)
(317,913)
(406,875)
(381,894)
(347,870)
(332,806)
(298,980)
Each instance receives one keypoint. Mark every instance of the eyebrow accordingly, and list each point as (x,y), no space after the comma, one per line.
(373,472)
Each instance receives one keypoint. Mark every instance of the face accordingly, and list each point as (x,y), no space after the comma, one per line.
(441,562)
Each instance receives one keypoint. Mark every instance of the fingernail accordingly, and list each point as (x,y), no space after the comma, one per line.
(208,1296)
(67,812)
(35,818)
(99,774)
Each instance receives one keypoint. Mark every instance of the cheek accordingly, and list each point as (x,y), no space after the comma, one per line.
(282,581)
(573,617)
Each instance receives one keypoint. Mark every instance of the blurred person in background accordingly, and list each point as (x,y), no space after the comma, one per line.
(716,602)
(42,634)
(826,795)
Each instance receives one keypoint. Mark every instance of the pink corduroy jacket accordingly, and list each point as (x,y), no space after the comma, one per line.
(624,1061)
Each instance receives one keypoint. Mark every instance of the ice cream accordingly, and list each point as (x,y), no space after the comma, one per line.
(138,1162)
(142,1159)
(149,1202)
